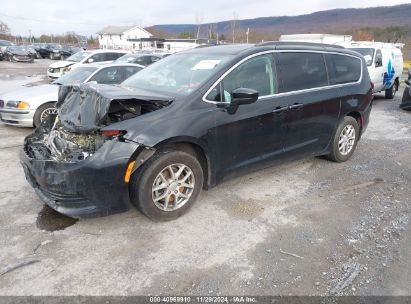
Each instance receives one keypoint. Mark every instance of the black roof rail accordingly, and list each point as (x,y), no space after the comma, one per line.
(297,43)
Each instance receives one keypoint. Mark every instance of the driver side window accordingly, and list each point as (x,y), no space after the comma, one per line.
(256,73)
(378,59)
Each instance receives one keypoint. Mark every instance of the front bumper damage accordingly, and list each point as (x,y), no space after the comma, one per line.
(74,165)
(91,188)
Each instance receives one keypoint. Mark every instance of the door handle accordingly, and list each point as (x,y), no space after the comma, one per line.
(280,109)
(296,106)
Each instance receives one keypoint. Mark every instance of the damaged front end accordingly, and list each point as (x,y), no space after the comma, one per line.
(74,163)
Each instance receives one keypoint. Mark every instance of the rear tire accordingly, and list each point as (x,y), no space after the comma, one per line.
(345,140)
(390,93)
(41,112)
(146,180)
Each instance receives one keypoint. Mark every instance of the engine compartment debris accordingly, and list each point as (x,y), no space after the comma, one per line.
(83,110)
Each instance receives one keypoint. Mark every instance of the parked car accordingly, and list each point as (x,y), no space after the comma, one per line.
(30,106)
(406,96)
(17,53)
(3,45)
(47,50)
(59,68)
(385,65)
(32,51)
(143,59)
(192,120)
(64,52)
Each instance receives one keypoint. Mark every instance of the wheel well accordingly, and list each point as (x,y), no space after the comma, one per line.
(397,83)
(192,149)
(357,117)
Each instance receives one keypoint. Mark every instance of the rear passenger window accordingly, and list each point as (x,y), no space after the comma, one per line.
(345,69)
(300,71)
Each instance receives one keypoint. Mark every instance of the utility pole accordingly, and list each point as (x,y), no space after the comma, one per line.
(29,36)
(248,32)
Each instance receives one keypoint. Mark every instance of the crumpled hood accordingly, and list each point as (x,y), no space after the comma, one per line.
(31,93)
(62,64)
(20,53)
(84,108)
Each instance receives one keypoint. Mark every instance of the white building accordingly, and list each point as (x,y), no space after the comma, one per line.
(118,37)
(316,38)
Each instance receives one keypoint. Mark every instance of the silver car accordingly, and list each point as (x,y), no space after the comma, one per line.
(29,106)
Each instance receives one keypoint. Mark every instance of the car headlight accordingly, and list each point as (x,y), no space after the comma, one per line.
(19,104)
(66,70)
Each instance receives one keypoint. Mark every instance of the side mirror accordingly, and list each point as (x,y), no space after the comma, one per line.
(378,62)
(243,96)
(90,60)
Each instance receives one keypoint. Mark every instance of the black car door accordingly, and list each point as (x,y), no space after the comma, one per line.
(246,134)
(313,105)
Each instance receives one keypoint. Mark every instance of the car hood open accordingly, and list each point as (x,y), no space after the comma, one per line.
(84,108)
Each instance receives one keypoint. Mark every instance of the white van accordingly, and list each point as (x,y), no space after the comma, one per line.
(385,64)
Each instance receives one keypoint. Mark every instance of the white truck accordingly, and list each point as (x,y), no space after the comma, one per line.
(384,60)
(385,64)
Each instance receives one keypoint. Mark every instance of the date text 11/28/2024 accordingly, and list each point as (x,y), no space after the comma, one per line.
(202,299)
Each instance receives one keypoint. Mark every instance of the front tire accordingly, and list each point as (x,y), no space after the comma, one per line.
(345,140)
(43,112)
(167,185)
(390,93)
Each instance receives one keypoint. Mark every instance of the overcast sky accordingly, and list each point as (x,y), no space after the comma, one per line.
(88,16)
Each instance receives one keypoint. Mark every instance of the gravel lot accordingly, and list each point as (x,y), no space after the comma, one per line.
(310,227)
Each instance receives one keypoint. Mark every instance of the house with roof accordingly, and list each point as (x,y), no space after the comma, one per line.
(124,37)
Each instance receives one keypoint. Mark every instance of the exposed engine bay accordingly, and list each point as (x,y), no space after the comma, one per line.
(58,144)
(75,133)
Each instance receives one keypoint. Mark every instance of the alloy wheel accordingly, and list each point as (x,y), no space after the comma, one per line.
(346,140)
(47,112)
(173,187)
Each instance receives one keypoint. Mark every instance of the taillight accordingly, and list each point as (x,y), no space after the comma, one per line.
(113,132)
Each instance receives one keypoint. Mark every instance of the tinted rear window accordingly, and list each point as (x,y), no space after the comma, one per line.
(345,69)
(300,71)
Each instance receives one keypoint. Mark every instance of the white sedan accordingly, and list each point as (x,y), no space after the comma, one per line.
(29,106)
(59,68)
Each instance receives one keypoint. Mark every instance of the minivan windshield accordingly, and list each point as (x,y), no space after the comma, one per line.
(367,53)
(179,74)
(77,57)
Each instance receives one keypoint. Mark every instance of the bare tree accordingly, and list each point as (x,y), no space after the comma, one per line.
(4,29)
(234,24)
(199,22)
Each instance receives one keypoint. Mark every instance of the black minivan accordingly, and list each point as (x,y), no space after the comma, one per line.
(193,119)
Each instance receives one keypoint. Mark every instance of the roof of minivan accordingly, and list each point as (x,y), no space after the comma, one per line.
(237,49)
